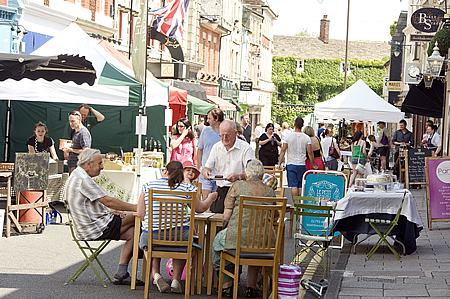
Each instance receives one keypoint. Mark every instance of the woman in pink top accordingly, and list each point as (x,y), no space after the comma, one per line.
(183,143)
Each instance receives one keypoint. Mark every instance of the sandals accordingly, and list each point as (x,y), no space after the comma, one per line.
(123,280)
(251,293)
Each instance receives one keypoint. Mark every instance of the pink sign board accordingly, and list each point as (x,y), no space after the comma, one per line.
(439,187)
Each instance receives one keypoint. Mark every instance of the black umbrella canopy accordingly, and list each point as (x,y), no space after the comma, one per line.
(64,68)
(425,101)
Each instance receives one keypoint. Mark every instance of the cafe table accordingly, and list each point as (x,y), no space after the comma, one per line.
(200,222)
(355,207)
(214,222)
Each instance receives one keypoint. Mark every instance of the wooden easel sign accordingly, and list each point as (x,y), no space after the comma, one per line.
(415,165)
(438,189)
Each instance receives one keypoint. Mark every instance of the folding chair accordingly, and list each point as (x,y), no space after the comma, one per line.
(90,253)
(173,203)
(313,239)
(387,226)
(257,249)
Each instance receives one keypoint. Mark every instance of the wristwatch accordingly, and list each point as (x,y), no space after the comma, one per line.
(239,177)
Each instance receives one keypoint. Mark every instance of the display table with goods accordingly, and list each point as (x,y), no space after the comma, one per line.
(356,207)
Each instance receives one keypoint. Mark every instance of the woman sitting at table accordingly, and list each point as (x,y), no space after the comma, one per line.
(358,155)
(40,142)
(172,179)
(226,239)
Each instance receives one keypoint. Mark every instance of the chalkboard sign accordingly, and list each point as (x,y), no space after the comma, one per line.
(438,186)
(415,165)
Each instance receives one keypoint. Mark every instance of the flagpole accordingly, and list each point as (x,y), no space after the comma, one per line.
(131,29)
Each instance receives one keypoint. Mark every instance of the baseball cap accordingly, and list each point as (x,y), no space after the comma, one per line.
(189,164)
(270,180)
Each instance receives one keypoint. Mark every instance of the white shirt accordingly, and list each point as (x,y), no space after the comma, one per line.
(258,131)
(225,162)
(326,143)
(436,140)
(296,151)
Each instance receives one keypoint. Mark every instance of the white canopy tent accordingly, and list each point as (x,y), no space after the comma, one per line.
(358,103)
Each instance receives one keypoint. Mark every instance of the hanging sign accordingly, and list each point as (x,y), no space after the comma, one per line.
(394,86)
(427,19)
(246,86)
(438,189)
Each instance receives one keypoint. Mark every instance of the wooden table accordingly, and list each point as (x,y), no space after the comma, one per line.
(200,223)
(213,222)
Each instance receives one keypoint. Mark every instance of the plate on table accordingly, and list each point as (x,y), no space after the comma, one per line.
(369,190)
(217,179)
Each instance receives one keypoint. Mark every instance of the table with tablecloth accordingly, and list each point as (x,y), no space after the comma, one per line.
(355,207)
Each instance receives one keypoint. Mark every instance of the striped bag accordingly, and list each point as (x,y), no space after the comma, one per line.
(289,281)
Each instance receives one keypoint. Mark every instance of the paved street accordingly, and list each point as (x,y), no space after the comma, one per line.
(37,265)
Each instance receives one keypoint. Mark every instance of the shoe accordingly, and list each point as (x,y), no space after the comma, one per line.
(227,292)
(162,285)
(251,293)
(175,287)
(126,280)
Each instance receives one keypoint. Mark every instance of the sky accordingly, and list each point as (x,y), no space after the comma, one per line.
(369,19)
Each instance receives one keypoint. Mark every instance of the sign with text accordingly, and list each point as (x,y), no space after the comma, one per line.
(420,37)
(394,86)
(246,86)
(427,19)
(415,165)
(438,189)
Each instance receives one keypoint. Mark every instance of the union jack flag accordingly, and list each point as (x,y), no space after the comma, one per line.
(169,19)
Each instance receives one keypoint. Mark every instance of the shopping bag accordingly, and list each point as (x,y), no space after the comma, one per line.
(340,165)
(289,281)
(368,169)
(360,168)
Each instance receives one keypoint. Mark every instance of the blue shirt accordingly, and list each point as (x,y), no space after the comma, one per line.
(207,139)
(162,184)
(320,131)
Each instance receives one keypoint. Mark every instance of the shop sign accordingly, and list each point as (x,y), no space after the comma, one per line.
(227,94)
(246,86)
(427,19)
(420,37)
(394,86)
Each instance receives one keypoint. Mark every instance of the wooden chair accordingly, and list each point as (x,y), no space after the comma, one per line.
(348,173)
(269,167)
(134,267)
(171,207)
(257,249)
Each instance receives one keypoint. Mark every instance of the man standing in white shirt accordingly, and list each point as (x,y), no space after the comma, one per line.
(228,159)
(258,132)
(296,145)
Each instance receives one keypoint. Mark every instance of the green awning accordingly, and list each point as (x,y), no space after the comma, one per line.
(199,107)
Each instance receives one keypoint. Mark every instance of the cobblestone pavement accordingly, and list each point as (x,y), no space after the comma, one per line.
(423,274)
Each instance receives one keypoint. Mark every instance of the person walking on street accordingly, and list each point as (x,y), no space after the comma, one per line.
(296,147)
(89,117)
(245,120)
(327,141)
(259,130)
(210,136)
(402,138)
(321,129)
(316,148)
(183,142)
(358,155)
(269,141)
(200,126)
(384,144)
(81,140)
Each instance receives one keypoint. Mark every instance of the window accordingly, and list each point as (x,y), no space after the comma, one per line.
(300,96)
(300,65)
(417,51)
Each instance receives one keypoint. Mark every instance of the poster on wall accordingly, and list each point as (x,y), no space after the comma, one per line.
(438,189)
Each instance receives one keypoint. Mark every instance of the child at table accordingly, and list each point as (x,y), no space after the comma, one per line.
(172,179)
(190,173)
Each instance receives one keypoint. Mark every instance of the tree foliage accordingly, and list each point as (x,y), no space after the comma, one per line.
(442,37)
(321,79)
(392,28)
(304,32)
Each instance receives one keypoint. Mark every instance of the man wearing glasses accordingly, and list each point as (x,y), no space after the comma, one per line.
(228,159)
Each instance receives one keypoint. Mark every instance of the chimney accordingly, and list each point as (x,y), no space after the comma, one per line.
(324,29)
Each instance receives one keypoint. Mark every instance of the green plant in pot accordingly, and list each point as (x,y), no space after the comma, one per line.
(442,37)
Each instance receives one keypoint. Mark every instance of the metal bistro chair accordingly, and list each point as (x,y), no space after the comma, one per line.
(90,253)
(387,226)
(313,240)
(257,249)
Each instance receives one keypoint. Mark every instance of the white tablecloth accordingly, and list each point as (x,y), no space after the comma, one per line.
(360,203)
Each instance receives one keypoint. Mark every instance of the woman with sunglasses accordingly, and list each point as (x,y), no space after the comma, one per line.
(183,143)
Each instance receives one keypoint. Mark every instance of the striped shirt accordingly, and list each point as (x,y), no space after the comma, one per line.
(162,184)
(90,217)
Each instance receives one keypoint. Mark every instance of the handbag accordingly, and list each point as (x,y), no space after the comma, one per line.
(332,152)
(289,281)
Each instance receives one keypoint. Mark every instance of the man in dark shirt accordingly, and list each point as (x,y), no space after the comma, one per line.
(246,127)
(81,140)
(89,117)
(199,128)
(402,138)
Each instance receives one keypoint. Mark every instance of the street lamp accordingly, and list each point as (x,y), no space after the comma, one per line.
(435,62)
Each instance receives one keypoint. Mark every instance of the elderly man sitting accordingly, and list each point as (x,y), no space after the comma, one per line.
(91,218)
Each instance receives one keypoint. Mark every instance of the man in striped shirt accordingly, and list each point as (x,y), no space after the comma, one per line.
(91,218)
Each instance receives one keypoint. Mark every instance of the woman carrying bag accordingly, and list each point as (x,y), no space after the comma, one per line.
(359,156)
(331,152)
(316,148)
